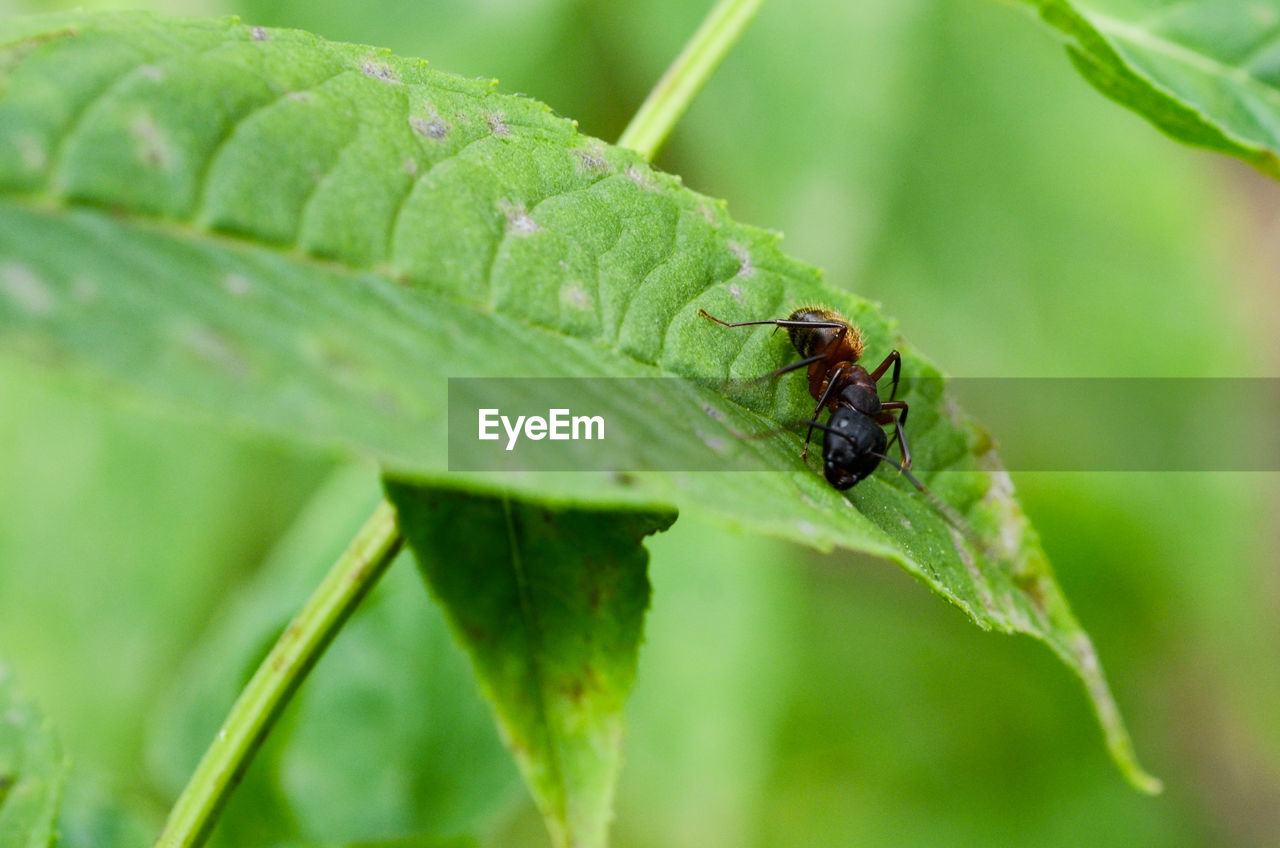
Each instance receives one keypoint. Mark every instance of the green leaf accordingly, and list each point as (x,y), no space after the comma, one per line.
(96,814)
(1206,72)
(303,239)
(550,604)
(32,771)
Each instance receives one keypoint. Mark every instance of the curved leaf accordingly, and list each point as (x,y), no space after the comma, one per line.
(304,239)
(550,604)
(32,771)
(1207,72)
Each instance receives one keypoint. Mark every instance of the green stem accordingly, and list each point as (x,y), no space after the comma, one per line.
(279,676)
(687,74)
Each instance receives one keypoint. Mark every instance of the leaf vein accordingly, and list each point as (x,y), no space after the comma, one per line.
(305,209)
(77,121)
(235,126)
(398,212)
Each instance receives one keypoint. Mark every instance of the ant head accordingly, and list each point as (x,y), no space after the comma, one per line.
(838,344)
(851,447)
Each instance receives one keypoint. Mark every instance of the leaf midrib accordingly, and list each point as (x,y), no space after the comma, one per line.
(533,634)
(50,204)
(1116,29)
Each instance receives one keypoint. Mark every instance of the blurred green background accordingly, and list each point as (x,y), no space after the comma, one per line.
(940,156)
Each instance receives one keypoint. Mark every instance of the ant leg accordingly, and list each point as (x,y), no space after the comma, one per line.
(822,401)
(895,358)
(898,434)
(794,366)
(902,444)
(897,404)
(883,418)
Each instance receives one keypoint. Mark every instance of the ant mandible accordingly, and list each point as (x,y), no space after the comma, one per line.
(854,442)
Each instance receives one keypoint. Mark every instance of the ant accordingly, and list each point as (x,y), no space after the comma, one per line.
(854,441)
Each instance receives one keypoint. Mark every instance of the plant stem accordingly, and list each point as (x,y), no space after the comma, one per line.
(263,699)
(684,79)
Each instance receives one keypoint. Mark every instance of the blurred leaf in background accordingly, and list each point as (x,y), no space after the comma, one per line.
(119,533)
(388,737)
(32,770)
(941,156)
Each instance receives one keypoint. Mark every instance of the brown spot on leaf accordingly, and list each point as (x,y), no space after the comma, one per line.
(592,160)
(497,124)
(154,147)
(433,128)
(379,71)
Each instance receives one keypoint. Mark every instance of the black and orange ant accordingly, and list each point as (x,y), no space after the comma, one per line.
(854,441)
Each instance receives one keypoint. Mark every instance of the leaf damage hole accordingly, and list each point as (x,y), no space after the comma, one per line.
(237,285)
(745,268)
(154,148)
(497,123)
(433,127)
(335,359)
(519,221)
(642,178)
(210,347)
(716,443)
(592,161)
(999,497)
(379,71)
(576,297)
(27,291)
